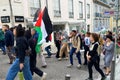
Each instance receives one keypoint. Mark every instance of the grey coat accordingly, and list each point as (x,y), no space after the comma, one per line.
(109,52)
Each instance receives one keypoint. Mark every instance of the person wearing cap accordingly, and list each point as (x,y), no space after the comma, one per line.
(109,52)
(75,49)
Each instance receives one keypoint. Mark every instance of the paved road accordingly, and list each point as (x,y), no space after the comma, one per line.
(56,70)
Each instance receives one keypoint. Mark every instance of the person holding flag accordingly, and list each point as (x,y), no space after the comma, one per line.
(41,33)
(33,55)
(43,26)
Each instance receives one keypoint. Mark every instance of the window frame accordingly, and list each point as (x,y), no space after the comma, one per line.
(80,10)
(71,9)
(57,13)
(88,11)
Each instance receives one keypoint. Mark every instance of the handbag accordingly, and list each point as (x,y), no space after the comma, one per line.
(20,75)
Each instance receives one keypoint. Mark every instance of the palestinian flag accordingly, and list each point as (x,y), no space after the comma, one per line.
(43,26)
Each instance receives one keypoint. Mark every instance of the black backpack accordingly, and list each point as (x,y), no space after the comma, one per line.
(81,44)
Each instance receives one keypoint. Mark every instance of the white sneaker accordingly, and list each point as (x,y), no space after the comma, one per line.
(78,66)
(66,58)
(44,76)
(59,59)
(69,66)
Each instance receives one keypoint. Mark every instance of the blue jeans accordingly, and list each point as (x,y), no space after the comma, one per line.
(77,55)
(47,49)
(2,46)
(14,69)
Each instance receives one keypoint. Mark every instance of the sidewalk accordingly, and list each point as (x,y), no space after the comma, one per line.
(117,71)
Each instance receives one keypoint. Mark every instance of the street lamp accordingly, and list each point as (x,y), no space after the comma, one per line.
(11,14)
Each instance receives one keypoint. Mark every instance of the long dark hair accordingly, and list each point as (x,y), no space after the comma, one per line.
(95,37)
(20,31)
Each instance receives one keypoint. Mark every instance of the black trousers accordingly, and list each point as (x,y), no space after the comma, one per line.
(97,67)
(86,48)
(33,67)
(58,43)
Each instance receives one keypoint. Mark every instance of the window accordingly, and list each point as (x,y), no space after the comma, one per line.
(96,8)
(71,11)
(80,10)
(32,11)
(35,3)
(88,11)
(34,6)
(57,11)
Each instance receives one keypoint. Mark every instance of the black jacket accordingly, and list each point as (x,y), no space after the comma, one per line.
(9,38)
(21,47)
(93,51)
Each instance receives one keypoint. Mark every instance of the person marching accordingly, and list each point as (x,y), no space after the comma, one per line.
(21,62)
(75,49)
(86,46)
(93,57)
(33,55)
(109,53)
(2,42)
(64,46)
(9,42)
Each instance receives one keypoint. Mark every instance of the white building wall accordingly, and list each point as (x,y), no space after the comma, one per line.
(17,7)
(23,9)
(26,9)
(100,22)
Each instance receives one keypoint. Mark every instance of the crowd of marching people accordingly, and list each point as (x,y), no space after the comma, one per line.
(19,44)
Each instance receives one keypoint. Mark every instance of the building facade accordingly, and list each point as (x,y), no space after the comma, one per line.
(20,12)
(11,15)
(101,17)
(65,14)
(69,14)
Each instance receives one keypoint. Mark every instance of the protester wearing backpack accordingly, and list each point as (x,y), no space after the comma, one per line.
(75,49)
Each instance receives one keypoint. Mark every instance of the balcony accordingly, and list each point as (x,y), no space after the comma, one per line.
(102,2)
(80,15)
(71,15)
(98,15)
(57,13)
(88,16)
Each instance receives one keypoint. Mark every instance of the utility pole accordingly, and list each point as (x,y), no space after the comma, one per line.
(11,14)
(115,51)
